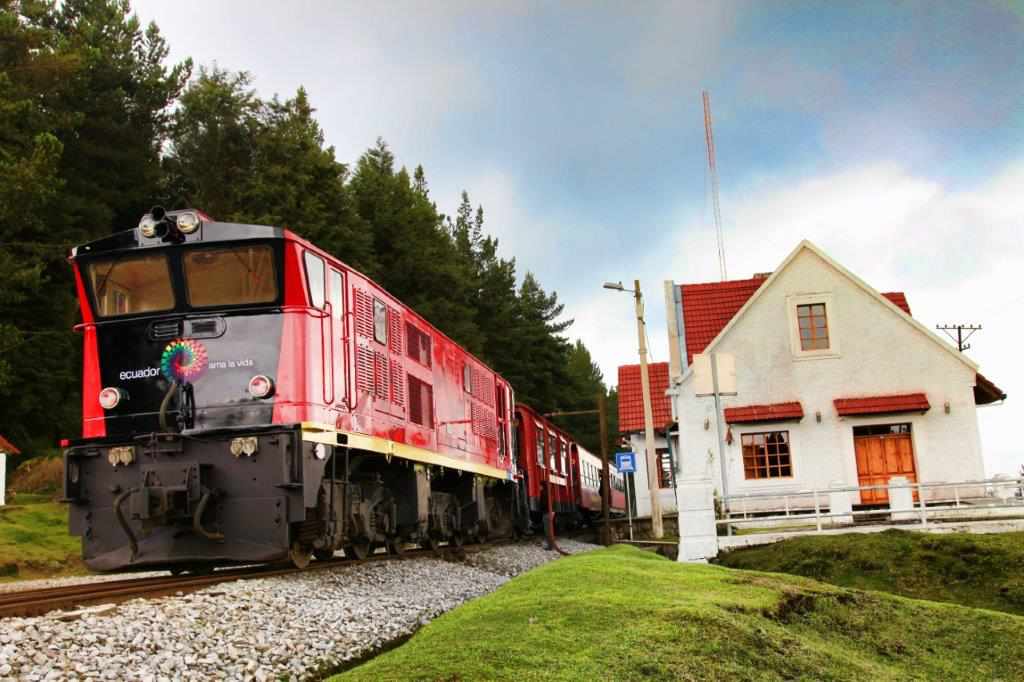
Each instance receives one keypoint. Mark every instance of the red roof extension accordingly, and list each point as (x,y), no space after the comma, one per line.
(708,307)
(8,447)
(882,404)
(631,401)
(776,412)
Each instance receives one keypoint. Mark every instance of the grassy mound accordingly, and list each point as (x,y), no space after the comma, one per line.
(34,540)
(621,613)
(984,571)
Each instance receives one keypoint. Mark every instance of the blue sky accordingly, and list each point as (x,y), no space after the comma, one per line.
(891,134)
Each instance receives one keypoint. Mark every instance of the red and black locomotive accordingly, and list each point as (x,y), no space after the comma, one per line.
(249,398)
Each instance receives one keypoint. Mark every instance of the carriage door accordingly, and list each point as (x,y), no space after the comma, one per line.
(336,295)
(883,451)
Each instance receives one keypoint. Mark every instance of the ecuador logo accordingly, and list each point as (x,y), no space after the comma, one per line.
(184,360)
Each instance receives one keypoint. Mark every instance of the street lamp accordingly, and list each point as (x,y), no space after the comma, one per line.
(657,528)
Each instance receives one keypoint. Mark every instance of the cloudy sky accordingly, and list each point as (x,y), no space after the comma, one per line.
(891,134)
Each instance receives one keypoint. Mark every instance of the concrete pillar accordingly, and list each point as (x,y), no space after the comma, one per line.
(840,502)
(698,534)
(901,500)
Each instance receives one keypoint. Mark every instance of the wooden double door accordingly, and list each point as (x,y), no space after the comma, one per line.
(883,452)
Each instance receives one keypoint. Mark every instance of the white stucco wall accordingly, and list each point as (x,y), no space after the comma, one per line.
(667,496)
(879,354)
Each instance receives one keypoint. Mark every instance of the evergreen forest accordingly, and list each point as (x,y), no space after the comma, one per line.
(97,126)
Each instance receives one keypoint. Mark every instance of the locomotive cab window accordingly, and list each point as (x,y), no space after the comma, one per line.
(315,275)
(239,275)
(131,285)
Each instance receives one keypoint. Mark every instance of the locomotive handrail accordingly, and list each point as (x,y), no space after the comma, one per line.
(329,316)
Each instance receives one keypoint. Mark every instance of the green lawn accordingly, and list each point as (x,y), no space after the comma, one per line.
(624,614)
(34,540)
(985,571)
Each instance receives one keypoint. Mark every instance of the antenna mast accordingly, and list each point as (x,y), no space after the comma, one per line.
(709,138)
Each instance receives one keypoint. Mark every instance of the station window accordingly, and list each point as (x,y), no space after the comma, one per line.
(766,455)
(315,276)
(813,324)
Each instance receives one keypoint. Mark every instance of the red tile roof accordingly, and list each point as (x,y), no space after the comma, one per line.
(776,412)
(985,392)
(8,447)
(708,307)
(631,401)
(899,299)
(882,404)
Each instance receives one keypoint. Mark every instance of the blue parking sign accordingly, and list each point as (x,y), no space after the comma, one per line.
(625,462)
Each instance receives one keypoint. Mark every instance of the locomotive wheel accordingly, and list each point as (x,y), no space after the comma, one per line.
(396,546)
(358,550)
(323,554)
(432,543)
(299,555)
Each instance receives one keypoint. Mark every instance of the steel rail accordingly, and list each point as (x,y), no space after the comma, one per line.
(37,602)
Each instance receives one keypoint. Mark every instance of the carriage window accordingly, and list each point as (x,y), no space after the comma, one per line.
(131,285)
(380,322)
(540,447)
(232,276)
(315,275)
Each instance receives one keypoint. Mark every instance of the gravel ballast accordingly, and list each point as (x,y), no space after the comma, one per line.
(291,626)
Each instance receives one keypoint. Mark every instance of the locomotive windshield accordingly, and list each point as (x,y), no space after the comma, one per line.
(235,275)
(131,285)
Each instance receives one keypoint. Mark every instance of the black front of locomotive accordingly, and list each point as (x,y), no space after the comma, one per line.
(180,464)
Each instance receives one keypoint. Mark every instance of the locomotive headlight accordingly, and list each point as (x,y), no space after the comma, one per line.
(188,223)
(110,397)
(246,445)
(261,386)
(121,455)
(320,451)
(249,445)
(147,226)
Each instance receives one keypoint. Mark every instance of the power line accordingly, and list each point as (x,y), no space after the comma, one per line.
(960,338)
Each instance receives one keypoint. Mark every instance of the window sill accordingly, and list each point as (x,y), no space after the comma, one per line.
(816,355)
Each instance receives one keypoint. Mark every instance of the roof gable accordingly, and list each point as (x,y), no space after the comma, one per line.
(895,301)
(631,401)
(708,308)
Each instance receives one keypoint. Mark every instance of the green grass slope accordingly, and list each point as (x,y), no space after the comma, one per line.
(985,571)
(34,540)
(623,614)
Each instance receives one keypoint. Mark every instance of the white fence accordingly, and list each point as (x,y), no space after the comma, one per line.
(989,498)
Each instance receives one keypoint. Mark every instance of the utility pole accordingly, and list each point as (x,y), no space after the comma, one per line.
(657,529)
(645,385)
(960,338)
(602,416)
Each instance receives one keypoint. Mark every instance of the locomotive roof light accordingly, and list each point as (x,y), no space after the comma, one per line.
(110,397)
(261,386)
(147,226)
(188,222)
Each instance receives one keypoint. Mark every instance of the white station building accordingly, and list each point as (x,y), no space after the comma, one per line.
(824,382)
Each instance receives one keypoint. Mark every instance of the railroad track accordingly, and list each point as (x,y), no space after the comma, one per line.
(25,603)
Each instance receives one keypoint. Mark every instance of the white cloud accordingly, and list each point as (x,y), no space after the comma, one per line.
(956,253)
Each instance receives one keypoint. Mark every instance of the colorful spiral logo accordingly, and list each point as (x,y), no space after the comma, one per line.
(184,360)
